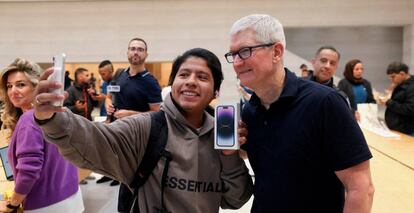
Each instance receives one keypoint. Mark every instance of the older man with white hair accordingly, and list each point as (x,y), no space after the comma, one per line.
(306,149)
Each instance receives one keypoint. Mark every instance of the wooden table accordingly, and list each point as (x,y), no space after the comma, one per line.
(392,169)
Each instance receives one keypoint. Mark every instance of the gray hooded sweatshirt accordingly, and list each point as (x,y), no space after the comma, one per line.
(200,178)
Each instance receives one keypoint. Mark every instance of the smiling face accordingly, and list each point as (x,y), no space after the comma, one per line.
(325,65)
(193,86)
(20,90)
(256,69)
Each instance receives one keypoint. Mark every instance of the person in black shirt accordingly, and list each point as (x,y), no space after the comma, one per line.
(325,64)
(306,149)
(139,93)
(68,80)
(399,114)
(305,72)
(81,100)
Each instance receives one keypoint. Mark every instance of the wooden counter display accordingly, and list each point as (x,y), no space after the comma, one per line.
(401,149)
(392,169)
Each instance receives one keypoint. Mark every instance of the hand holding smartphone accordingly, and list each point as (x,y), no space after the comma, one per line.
(58,75)
(225,128)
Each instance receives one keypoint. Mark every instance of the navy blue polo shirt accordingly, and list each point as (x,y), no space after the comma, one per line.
(296,146)
(137,92)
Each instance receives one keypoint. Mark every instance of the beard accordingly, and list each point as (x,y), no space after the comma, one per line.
(136,60)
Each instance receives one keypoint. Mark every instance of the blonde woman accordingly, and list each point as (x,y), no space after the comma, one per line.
(44,181)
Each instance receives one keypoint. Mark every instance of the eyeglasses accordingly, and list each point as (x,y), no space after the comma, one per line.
(245,52)
(139,49)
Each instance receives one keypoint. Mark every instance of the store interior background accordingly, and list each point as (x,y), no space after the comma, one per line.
(375,31)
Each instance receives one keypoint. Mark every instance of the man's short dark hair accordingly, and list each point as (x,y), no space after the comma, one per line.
(397,67)
(104,63)
(303,66)
(328,47)
(139,39)
(79,71)
(212,62)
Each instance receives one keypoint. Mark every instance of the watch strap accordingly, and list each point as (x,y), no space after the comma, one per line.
(10,206)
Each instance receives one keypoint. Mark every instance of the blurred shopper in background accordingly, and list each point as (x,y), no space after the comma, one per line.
(81,98)
(357,88)
(399,114)
(305,72)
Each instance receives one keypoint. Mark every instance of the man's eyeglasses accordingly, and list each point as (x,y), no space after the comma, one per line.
(245,52)
(139,49)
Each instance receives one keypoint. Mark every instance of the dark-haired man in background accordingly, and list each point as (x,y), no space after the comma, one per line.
(305,72)
(399,114)
(325,63)
(81,98)
(139,92)
(106,70)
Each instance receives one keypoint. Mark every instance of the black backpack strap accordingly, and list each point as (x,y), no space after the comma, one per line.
(167,155)
(156,144)
(154,151)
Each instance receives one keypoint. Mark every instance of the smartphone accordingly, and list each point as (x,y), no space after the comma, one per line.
(226,117)
(58,75)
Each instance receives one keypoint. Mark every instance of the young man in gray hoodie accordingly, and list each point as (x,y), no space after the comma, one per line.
(200,178)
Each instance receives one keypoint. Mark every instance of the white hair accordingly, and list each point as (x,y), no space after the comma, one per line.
(267,28)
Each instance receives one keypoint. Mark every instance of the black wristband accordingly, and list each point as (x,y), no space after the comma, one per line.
(41,122)
(10,206)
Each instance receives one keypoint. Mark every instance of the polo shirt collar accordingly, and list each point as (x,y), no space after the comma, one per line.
(289,92)
(140,74)
(328,83)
